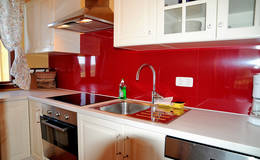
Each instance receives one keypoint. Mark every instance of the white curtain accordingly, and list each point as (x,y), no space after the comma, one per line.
(11,28)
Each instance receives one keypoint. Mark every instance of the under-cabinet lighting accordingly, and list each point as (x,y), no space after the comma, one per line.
(63,26)
(85,21)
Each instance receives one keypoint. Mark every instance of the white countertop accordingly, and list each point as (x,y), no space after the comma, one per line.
(223,130)
(12,95)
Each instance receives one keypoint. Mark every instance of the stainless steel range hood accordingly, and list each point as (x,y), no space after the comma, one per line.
(97,15)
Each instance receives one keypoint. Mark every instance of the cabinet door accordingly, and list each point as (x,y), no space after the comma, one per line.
(141,144)
(98,139)
(186,20)
(35,130)
(238,19)
(46,17)
(14,130)
(32,24)
(38,37)
(135,22)
(66,41)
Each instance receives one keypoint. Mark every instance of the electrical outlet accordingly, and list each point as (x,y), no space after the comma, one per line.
(184,81)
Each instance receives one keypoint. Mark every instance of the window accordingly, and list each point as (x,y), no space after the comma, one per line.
(4,64)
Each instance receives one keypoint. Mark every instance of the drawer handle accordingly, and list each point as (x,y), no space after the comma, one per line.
(54,127)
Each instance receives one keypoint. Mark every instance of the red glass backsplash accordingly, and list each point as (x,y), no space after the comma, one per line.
(222,75)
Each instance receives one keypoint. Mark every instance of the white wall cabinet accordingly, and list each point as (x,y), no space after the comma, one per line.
(14,130)
(38,37)
(186,21)
(180,21)
(35,111)
(100,139)
(238,19)
(134,22)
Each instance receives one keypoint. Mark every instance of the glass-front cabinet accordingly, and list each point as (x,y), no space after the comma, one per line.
(182,21)
(186,20)
(238,19)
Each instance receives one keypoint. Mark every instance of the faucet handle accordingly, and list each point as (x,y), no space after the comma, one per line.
(158,99)
(157,95)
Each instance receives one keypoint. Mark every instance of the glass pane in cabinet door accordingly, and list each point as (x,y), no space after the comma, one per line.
(171,2)
(173,21)
(196,18)
(241,13)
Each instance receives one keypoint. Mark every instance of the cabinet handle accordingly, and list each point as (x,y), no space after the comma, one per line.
(209,26)
(117,145)
(37,117)
(220,24)
(149,32)
(126,145)
(125,156)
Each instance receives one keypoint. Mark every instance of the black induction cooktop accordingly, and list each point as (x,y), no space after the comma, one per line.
(82,99)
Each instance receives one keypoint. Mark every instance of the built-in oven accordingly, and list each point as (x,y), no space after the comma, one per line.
(59,133)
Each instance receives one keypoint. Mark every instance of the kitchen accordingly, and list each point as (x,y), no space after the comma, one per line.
(209,65)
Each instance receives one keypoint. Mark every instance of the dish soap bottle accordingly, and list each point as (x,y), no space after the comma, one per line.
(122,89)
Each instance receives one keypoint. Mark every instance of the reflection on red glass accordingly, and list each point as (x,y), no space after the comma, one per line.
(222,76)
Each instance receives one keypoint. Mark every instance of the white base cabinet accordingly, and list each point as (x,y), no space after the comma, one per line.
(98,139)
(143,145)
(35,111)
(14,130)
(101,139)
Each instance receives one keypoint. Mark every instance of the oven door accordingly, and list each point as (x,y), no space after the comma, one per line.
(60,140)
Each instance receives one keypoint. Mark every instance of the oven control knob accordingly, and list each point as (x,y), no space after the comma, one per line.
(49,112)
(57,114)
(66,116)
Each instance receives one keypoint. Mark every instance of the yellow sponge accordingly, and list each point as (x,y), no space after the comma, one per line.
(179,105)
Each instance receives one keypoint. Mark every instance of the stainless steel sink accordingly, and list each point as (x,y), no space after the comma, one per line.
(124,108)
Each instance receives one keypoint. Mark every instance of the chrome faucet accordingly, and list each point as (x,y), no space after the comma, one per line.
(154,93)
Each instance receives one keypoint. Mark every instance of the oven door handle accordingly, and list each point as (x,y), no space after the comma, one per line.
(53,126)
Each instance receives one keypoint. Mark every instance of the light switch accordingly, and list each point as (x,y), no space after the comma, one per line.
(184,81)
